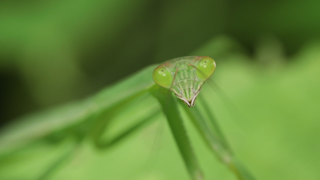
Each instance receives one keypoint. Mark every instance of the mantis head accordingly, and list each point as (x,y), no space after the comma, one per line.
(184,76)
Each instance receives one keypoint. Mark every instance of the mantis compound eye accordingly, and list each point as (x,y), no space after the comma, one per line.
(205,68)
(163,77)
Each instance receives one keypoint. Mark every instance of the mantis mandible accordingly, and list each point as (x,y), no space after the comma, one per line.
(88,119)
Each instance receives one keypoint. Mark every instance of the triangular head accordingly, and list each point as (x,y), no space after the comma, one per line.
(184,76)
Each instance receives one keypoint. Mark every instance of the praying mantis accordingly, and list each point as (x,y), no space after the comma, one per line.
(87,120)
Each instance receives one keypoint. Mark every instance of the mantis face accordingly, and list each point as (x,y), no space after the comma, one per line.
(184,76)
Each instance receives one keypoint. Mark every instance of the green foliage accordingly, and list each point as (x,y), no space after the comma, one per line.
(267,56)
(245,132)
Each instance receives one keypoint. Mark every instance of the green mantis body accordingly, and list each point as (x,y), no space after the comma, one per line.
(88,119)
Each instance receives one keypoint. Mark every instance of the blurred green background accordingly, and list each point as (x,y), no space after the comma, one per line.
(268,60)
